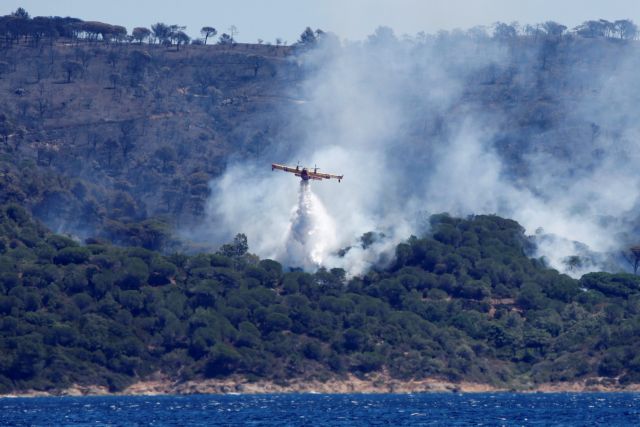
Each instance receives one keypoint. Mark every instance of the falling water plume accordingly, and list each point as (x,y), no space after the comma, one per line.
(312,233)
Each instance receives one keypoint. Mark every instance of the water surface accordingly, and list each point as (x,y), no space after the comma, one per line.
(432,409)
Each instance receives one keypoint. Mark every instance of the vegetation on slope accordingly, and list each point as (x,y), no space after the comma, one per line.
(119,140)
(105,136)
(117,136)
(461,303)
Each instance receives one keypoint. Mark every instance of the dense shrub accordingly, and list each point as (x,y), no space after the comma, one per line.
(461,303)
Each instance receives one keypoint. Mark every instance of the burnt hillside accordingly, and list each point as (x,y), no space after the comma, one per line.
(100,137)
(117,137)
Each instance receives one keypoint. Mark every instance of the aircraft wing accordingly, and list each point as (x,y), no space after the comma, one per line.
(275,166)
(308,173)
(320,175)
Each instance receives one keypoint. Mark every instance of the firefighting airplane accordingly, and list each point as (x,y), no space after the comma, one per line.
(305,173)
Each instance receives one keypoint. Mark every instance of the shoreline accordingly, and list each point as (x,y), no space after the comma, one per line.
(160,385)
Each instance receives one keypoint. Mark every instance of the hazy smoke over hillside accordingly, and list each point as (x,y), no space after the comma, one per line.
(460,124)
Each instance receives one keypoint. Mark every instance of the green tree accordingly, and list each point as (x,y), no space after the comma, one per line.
(226,39)
(276,322)
(139,34)
(161,32)
(71,69)
(307,38)
(72,255)
(238,248)
(166,154)
(181,38)
(626,29)
(354,340)
(222,360)
(134,273)
(208,32)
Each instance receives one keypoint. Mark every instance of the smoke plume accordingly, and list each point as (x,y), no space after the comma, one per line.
(459,123)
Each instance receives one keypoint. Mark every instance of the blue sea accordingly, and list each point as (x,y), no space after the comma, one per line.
(432,409)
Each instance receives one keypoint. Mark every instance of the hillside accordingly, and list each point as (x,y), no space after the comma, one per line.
(124,145)
(463,303)
(123,139)
(116,152)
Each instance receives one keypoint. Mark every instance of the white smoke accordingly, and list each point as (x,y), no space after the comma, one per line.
(312,235)
(395,117)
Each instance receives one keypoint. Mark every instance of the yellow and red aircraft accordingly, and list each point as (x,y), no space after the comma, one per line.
(305,173)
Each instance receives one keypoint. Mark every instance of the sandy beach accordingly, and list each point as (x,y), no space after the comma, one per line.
(159,384)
